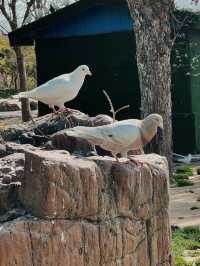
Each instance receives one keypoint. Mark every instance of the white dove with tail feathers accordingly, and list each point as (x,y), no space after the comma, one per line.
(59,90)
(121,137)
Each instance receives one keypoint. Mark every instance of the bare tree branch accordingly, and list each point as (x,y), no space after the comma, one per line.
(112,110)
(4,12)
(3,29)
(14,14)
(27,12)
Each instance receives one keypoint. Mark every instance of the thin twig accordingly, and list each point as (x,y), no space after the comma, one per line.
(112,110)
(122,108)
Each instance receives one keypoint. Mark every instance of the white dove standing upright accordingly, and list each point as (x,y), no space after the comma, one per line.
(121,137)
(59,90)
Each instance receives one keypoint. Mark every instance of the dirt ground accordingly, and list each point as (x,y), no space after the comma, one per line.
(185,204)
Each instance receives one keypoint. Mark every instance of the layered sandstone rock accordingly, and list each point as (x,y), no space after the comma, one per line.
(11,172)
(89,212)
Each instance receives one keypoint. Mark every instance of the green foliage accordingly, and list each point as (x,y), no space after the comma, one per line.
(185,239)
(184,170)
(181,176)
(184,183)
(197,262)
(8,67)
(180,261)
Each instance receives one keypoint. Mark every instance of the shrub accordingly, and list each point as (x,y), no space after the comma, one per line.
(179,261)
(184,170)
(181,176)
(184,183)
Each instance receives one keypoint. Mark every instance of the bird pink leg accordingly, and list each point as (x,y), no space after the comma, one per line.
(53,114)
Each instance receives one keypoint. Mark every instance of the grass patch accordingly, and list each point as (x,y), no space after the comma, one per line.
(181,176)
(184,183)
(180,261)
(197,262)
(185,239)
(192,253)
(185,170)
(185,242)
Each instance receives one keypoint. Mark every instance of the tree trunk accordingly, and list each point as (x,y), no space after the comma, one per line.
(26,112)
(153,42)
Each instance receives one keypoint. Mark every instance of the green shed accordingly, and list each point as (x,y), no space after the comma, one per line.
(99,33)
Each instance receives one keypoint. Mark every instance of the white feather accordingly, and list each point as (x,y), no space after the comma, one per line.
(59,90)
(122,136)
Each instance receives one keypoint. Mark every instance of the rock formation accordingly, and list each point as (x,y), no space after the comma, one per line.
(70,210)
(8,105)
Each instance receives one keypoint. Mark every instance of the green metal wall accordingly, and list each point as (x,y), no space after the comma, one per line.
(184,139)
(195,82)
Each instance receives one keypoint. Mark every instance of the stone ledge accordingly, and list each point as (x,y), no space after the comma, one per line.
(59,186)
(118,242)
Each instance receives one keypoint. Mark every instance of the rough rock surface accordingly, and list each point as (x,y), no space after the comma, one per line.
(8,105)
(89,212)
(11,173)
(93,188)
(29,133)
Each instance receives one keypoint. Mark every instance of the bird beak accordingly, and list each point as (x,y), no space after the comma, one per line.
(89,73)
(161,126)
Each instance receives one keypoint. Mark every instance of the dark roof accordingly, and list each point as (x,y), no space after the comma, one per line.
(28,33)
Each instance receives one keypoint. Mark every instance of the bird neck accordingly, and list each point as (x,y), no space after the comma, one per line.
(78,77)
(149,130)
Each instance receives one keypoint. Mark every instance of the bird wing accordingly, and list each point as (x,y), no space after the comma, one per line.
(122,133)
(53,88)
(118,134)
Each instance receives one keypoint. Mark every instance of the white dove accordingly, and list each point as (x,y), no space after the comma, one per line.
(59,90)
(121,137)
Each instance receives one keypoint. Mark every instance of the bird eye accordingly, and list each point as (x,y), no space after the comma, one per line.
(83,69)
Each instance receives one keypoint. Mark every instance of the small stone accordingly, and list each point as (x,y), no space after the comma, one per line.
(6,179)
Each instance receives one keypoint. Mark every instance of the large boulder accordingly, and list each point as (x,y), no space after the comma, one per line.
(39,132)
(72,188)
(75,243)
(90,212)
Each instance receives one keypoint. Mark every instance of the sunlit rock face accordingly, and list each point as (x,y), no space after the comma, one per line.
(89,211)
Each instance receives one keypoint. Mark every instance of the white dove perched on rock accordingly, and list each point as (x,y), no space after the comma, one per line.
(121,137)
(59,90)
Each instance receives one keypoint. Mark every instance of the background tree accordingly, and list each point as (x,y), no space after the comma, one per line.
(8,67)
(17,13)
(9,9)
(153,51)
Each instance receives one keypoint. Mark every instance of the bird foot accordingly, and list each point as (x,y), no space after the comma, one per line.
(124,162)
(136,161)
(70,111)
(121,162)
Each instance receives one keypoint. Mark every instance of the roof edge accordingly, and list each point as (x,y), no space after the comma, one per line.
(27,34)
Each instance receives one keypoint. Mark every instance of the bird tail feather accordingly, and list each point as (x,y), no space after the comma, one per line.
(87,133)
